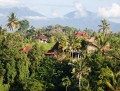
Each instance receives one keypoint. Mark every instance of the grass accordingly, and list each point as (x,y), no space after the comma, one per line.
(47,46)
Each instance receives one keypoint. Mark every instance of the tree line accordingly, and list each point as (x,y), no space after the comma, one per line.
(33,71)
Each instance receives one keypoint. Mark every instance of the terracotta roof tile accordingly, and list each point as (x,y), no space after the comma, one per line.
(82,35)
(26,49)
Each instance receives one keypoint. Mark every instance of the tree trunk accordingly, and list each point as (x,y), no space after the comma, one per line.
(80,83)
(78,56)
(72,55)
(66,88)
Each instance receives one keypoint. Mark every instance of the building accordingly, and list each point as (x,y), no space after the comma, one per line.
(26,49)
(82,35)
(41,38)
(51,53)
(92,46)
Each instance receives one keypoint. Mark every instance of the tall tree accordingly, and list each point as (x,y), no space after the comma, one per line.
(102,43)
(66,82)
(13,22)
(80,70)
(104,27)
(0,30)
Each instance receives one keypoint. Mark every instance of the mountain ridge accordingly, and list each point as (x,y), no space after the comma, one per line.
(91,20)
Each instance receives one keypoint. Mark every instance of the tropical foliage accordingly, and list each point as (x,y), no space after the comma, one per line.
(81,71)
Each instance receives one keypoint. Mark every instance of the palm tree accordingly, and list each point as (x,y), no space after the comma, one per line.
(63,43)
(13,22)
(80,70)
(0,30)
(102,42)
(110,78)
(102,38)
(66,82)
(74,44)
(104,27)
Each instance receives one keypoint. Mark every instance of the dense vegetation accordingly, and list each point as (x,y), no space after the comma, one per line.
(33,71)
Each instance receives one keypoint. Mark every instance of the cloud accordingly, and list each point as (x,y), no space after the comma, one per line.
(57,15)
(110,12)
(8,3)
(1,15)
(116,20)
(36,17)
(81,11)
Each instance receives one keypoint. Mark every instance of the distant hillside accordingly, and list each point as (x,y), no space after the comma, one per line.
(21,12)
(91,20)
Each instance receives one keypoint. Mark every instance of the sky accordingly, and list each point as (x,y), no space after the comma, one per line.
(58,8)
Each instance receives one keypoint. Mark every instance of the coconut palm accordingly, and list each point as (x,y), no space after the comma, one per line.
(63,44)
(66,82)
(104,27)
(13,22)
(80,70)
(102,42)
(102,38)
(0,30)
(74,44)
(114,83)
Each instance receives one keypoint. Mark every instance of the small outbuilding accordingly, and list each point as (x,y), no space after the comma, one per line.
(41,38)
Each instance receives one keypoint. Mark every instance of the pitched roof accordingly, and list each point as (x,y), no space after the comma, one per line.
(82,35)
(26,49)
(55,47)
(43,37)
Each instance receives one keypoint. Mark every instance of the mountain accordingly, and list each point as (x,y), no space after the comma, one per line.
(90,20)
(21,12)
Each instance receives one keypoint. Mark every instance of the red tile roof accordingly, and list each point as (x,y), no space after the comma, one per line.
(26,49)
(82,35)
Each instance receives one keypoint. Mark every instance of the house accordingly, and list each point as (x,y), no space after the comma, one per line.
(91,42)
(51,53)
(82,35)
(106,48)
(26,49)
(92,45)
(41,38)
(56,53)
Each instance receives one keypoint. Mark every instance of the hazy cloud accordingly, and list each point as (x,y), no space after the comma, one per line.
(57,15)
(110,12)
(9,3)
(1,15)
(36,17)
(81,11)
